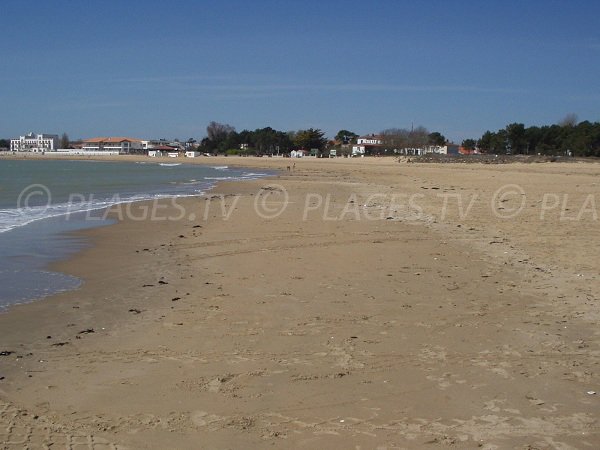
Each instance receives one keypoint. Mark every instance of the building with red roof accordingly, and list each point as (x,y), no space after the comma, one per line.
(113,145)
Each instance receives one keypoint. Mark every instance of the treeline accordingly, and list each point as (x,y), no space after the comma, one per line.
(222,138)
(567,138)
(419,137)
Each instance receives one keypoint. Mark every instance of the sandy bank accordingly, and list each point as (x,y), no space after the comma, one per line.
(344,303)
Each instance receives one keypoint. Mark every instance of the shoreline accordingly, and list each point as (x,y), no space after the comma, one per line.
(95,216)
(292,332)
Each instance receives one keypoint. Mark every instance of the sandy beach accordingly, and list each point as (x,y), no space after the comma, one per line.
(345,303)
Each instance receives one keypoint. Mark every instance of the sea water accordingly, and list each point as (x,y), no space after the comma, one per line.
(41,201)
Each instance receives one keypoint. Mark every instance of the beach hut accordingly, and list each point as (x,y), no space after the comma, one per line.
(162,151)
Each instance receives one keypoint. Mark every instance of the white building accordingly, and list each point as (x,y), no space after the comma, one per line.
(369,140)
(298,153)
(367,144)
(447,149)
(112,145)
(161,151)
(151,144)
(35,143)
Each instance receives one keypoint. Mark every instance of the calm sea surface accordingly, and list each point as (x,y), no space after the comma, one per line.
(41,201)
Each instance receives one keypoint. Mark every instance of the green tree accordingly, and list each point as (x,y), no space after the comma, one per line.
(485,142)
(568,137)
(270,141)
(231,141)
(266,140)
(515,135)
(346,137)
(552,137)
(469,144)
(309,139)
(497,142)
(219,137)
(437,138)
(533,136)
(207,146)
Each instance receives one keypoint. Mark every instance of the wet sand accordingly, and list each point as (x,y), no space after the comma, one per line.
(304,311)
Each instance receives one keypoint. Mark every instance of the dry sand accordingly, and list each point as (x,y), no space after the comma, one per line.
(340,323)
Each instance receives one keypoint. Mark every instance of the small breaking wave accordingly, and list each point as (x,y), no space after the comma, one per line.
(11,218)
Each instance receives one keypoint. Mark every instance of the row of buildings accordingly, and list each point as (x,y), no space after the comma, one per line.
(374,144)
(42,143)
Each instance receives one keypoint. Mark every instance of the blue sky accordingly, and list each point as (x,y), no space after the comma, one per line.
(154,69)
